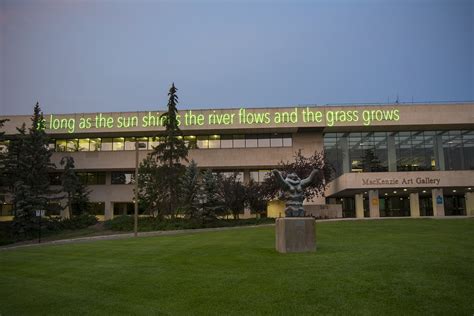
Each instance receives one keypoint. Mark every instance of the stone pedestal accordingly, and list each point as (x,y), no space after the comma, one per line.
(295,234)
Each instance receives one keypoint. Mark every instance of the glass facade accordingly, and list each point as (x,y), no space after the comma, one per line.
(194,142)
(122,177)
(400,151)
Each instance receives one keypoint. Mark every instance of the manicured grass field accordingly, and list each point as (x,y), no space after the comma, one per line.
(395,267)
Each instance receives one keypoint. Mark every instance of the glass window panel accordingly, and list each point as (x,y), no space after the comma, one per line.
(71,145)
(94,144)
(84,144)
(60,145)
(251,141)
(190,141)
(239,141)
(254,175)
(264,140)
(226,141)
(202,142)
(119,143)
(143,141)
(276,141)
(214,141)
(129,143)
(287,140)
(106,144)
(122,178)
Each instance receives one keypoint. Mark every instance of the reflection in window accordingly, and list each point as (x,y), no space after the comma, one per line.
(264,140)
(214,141)
(190,141)
(118,143)
(226,141)
(94,144)
(122,178)
(84,144)
(287,140)
(71,145)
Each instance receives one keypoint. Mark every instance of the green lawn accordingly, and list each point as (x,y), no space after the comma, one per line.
(381,267)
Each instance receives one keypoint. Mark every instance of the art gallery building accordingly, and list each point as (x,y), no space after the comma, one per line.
(389,160)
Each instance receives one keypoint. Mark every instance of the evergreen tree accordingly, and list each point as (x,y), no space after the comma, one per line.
(171,151)
(233,195)
(3,180)
(212,206)
(189,189)
(30,171)
(151,196)
(77,193)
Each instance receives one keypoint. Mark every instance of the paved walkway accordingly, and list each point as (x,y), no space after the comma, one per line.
(128,235)
(201,230)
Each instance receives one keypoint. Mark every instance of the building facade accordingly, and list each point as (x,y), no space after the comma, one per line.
(389,160)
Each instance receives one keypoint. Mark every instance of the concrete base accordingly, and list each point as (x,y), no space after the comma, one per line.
(295,234)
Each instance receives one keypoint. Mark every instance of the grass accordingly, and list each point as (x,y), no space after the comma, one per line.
(385,267)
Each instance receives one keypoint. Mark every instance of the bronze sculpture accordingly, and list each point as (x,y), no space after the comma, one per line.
(294,187)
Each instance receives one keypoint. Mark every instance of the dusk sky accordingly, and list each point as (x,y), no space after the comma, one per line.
(90,56)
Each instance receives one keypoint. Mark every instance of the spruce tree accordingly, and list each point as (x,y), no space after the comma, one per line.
(213,205)
(171,151)
(3,179)
(30,172)
(77,193)
(189,189)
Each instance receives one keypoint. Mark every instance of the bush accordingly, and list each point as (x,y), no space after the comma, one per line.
(125,223)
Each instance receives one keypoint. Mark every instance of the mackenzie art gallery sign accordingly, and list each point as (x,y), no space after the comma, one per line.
(426,181)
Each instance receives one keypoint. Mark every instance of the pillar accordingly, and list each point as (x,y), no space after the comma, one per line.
(346,164)
(469,203)
(392,155)
(374,205)
(438,202)
(359,205)
(414,205)
(109,210)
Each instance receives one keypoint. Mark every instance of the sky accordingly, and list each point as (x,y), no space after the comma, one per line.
(113,56)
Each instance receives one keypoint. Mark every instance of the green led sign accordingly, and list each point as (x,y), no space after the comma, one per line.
(237,118)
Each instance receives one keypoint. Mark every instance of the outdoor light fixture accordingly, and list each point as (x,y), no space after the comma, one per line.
(395,192)
(454,190)
(405,190)
(386,193)
(424,191)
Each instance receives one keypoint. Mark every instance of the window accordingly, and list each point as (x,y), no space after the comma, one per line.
(84,144)
(91,178)
(6,209)
(190,141)
(55,178)
(264,140)
(129,143)
(239,141)
(276,141)
(226,141)
(215,141)
(122,178)
(60,145)
(251,141)
(96,208)
(106,144)
(259,175)
(72,145)
(153,142)
(94,144)
(118,144)
(287,140)
(202,142)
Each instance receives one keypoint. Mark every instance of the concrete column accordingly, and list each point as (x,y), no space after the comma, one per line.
(109,210)
(469,203)
(346,164)
(374,203)
(438,202)
(439,153)
(359,205)
(392,156)
(414,205)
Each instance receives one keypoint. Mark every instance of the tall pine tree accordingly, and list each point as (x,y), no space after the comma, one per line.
(30,172)
(171,151)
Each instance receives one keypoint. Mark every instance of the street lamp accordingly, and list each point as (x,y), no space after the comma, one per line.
(138,145)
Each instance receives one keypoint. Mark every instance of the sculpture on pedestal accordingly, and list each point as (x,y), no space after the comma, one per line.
(293,188)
